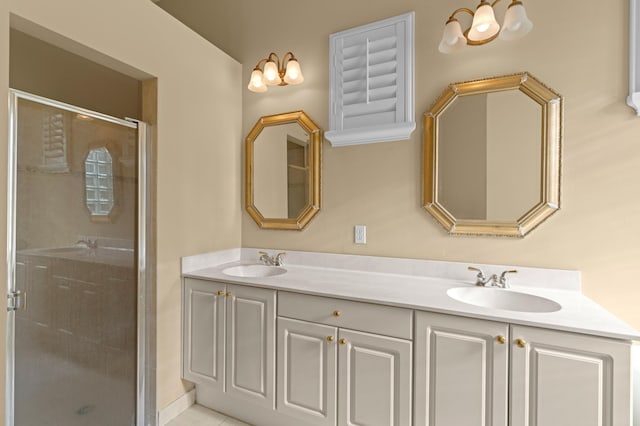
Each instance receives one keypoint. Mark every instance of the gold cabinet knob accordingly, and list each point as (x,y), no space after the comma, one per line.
(521,343)
(228,294)
(336,313)
(501,339)
(343,342)
(329,338)
(220,293)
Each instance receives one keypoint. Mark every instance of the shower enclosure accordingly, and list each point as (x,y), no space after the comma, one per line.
(76,266)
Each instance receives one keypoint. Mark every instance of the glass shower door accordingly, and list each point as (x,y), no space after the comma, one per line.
(74,269)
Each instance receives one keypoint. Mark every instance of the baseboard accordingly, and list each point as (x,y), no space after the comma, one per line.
(246,411)
(174,409)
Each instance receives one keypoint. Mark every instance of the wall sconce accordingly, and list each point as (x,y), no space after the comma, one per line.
(275,73)
(484,27)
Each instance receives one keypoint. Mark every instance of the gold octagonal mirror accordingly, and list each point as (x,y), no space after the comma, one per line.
(282,171)
(492,151)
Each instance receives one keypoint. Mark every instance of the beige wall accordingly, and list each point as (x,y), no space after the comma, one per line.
(41,68)
(198,136)
(596,230)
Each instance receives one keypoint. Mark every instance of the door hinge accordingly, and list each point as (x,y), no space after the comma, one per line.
(16,300)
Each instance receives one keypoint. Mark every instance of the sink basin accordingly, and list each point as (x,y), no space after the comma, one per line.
(498,298)
(253,271)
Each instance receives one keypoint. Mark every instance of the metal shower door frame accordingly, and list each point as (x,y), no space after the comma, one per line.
(142,381)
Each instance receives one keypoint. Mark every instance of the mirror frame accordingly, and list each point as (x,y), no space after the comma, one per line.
(315,145)
(551,152)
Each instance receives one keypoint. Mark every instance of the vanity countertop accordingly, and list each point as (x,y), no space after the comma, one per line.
(118,257)
(419,284)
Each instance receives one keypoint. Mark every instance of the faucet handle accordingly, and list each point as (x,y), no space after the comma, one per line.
(278,258)
(480,278)
(478,270)
(503,277)
(264,257)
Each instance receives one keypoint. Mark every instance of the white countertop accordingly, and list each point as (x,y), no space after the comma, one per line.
(419,284)
(102,255)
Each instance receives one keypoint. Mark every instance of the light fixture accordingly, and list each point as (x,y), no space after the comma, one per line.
(484,27)
(275,72)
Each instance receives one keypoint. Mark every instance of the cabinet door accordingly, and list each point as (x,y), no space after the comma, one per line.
(251,324)
(203,334)
(307,355)
(461,371)
(561,379)
(374,380)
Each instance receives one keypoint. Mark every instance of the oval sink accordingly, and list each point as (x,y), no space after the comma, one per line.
(498,298)
(253,271)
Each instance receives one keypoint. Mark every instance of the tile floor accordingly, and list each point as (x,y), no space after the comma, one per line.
(197,415)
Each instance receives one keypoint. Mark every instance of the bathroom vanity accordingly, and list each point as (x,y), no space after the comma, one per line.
(354,340)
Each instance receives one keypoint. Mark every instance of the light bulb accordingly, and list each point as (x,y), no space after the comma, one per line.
(482,27)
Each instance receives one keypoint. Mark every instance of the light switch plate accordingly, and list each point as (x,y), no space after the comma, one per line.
(360,234)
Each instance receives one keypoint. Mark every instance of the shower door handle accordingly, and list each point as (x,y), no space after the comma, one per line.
(17,300)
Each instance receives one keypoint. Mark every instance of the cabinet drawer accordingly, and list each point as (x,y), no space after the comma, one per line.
(380,319)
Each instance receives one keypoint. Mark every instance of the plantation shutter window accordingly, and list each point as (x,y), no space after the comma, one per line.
(371,96)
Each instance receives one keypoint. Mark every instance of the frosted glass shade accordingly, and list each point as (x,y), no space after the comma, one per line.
(452,38)
(484,24)
(516,23)
(294,73)
(256,82)
(271,76)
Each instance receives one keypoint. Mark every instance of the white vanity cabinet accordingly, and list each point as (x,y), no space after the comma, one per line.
(343,362)
(556,378)
(461,371)
(203,332)
(307,356)
(229,339)
(560,379)
(383,342)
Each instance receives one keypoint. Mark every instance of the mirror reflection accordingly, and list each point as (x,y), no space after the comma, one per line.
(282,166)
(492,156)
(489,159)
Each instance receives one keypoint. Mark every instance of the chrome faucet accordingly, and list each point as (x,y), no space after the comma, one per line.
(500,282)
(268,260)
(90,244)
(481,279)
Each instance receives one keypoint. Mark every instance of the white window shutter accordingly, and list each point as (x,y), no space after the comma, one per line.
(371,96)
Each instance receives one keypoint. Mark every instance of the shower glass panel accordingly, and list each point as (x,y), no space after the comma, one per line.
(75,328)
